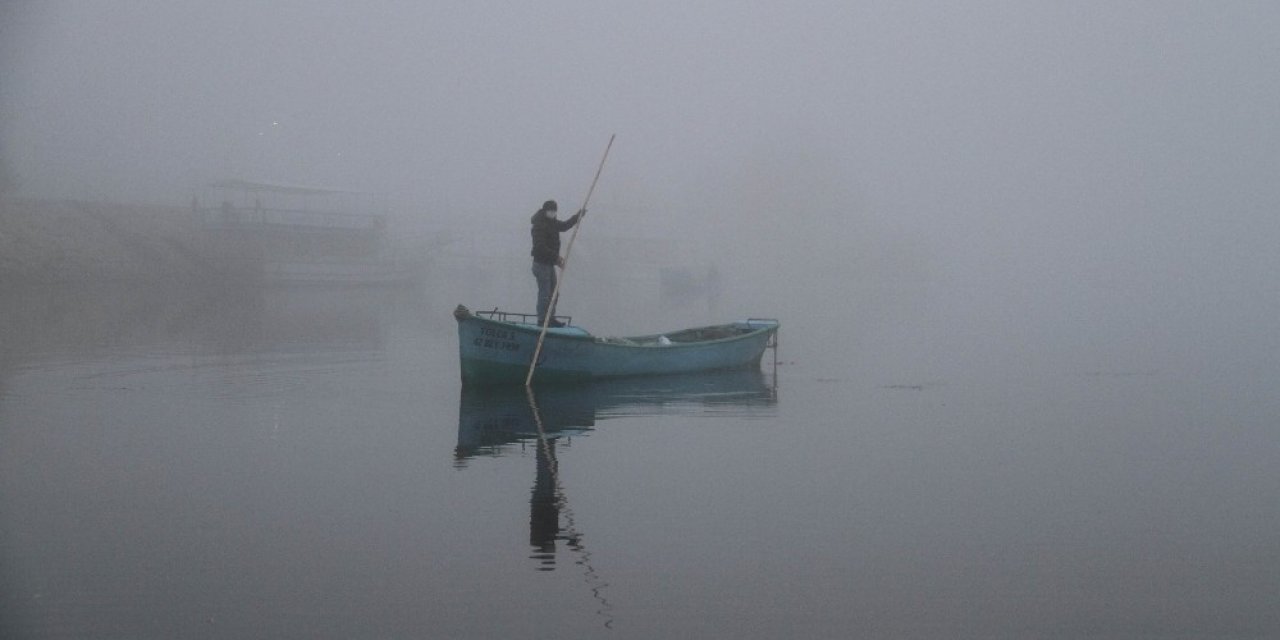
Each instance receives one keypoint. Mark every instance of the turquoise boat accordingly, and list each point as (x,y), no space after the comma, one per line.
(495,347)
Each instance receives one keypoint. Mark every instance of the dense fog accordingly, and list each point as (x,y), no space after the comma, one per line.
(1024,255)
(1077,173)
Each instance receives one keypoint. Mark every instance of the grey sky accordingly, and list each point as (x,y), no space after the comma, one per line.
(1110,140)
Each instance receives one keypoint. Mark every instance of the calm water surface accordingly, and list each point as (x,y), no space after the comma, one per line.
(304,464)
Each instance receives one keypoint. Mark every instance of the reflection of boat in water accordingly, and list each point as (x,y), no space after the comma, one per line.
(491,417)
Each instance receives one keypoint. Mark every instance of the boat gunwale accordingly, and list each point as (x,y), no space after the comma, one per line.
(754,330)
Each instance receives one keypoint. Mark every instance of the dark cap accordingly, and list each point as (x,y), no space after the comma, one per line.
(549,205)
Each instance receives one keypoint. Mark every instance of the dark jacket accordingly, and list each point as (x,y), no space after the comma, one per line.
(546,236)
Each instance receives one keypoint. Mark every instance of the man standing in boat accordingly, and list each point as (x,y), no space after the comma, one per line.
(546,232)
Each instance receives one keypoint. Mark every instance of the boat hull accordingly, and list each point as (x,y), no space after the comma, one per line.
(497,352)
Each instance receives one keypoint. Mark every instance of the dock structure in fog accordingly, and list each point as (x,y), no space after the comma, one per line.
(296,234)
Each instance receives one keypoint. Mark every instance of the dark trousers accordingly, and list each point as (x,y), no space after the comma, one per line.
(545,274)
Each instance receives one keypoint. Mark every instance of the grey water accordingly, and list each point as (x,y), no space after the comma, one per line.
(305,464)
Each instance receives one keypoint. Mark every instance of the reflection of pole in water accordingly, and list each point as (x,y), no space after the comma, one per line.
(545,505)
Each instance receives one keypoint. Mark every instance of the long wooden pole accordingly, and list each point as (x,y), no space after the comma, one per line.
(564,267)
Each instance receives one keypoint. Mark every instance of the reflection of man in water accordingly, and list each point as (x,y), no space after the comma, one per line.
(544,507)
(544,527)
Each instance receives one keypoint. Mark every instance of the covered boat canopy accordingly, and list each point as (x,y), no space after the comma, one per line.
(251,186)
(249,204)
